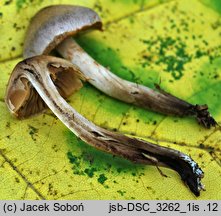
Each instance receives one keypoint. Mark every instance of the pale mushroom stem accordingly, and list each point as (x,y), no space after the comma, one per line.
(159,101)
(136,150)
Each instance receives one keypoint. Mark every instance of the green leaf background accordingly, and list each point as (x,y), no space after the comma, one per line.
(175,43)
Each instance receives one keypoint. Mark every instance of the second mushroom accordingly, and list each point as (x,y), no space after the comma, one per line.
(52,27)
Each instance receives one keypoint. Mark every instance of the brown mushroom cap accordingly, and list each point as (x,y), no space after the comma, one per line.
(22,98)
(53,24)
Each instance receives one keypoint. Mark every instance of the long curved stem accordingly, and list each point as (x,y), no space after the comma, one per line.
(139,151)
(159,101)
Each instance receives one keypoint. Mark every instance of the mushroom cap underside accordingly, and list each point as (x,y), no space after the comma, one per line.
(23,100)
(51,25)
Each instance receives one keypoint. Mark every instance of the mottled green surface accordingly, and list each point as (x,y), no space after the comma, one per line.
(214,4)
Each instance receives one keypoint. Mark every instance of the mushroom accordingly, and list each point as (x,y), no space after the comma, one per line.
(53,26)
(42,81)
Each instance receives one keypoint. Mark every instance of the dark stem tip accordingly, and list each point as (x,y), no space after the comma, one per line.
(203,116)
(189,171)
(192,176)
